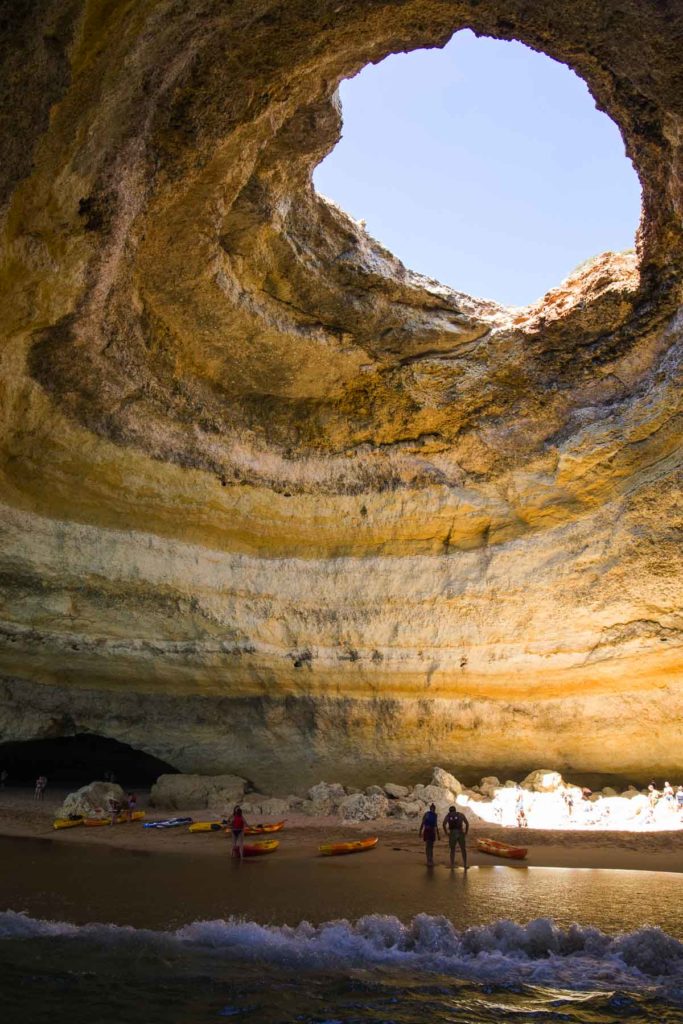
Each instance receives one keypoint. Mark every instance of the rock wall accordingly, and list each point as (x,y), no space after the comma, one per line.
(271,503)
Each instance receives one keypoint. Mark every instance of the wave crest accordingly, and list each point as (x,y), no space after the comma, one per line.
(500,953)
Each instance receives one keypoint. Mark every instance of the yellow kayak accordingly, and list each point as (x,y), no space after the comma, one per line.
(357,846)
(67,822)
(205,826)
(122,819)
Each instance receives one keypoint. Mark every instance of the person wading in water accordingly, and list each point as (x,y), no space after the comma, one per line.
(429,831)
(456,826)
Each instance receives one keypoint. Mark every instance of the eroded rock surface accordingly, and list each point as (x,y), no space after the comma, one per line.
(271,503)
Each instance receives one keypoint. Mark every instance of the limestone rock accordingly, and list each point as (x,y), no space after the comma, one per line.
(361,807)
(91,801)
(175,792)
(445,780)
(489,785)
(543,780)
(267,807)
(394,791)
(325,797)
(407,808)
(270,502)
(374,791)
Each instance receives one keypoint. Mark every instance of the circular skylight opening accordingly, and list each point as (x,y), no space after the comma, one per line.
(484,165)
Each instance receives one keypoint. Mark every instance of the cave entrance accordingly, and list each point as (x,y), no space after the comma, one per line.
(484,165)
(78,760)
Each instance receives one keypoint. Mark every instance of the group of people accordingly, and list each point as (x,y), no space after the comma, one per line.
(127,806)
(455,827)
(672,800)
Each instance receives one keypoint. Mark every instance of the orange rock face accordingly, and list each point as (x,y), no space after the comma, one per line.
(272,503)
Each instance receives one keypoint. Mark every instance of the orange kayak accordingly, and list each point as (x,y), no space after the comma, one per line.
(259,830)
(357,846)
(250,830)
(495,849)
(258,849)
(94,822)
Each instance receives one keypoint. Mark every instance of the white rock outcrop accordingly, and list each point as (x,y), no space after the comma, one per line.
(175,792)
(91,801)
(361,807)
(542,780)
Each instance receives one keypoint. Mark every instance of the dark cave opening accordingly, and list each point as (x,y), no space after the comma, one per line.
(78,760)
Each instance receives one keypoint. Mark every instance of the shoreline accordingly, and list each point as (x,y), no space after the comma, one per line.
(657,850)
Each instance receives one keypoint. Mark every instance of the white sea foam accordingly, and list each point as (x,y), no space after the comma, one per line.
(501,953)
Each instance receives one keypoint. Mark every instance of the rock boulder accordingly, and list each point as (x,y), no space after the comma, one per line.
(175,792)
(91,801)
(361,807)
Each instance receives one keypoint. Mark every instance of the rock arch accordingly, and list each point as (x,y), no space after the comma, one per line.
(249,457)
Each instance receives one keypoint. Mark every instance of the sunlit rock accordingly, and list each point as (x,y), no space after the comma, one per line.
(275,506)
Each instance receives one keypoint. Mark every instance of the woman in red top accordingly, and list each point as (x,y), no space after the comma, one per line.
(238,823)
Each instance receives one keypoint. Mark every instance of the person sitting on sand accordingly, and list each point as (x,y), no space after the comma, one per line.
(429,831)
(238,823)
(456,826)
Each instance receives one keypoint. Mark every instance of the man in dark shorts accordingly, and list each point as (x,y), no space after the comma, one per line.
(456,826)
(429,831)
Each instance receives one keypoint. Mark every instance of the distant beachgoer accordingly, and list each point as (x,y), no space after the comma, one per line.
(238,823)
(131,804)
(456,826)
(668,795)
(114,810)
(679,800)
(653,796)
(520,812)
(4,775)
(429,832)
(569,801)
(39,792)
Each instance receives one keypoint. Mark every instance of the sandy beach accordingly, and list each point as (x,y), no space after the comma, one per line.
(22,817)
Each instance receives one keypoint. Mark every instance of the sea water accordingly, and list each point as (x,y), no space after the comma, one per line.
(500,944)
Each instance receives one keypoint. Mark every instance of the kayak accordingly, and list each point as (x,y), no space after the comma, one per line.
(206,826)
(257,849)
(66,822)
(259,830)
(121,819)
(357,846)
(168,823)
(495,849)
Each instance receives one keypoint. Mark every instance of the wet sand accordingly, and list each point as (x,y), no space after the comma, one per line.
(21,817)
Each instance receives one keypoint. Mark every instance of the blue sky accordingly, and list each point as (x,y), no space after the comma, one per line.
(484,165)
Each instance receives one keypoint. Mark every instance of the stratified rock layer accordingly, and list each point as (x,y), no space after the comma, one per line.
(274,505)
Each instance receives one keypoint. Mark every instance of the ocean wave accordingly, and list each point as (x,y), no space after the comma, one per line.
(502,953)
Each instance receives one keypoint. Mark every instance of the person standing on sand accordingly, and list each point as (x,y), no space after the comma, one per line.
(238,823)
(131,804)
(679,800)
(456,826)
(114,810)
(429,832)
(39,792)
